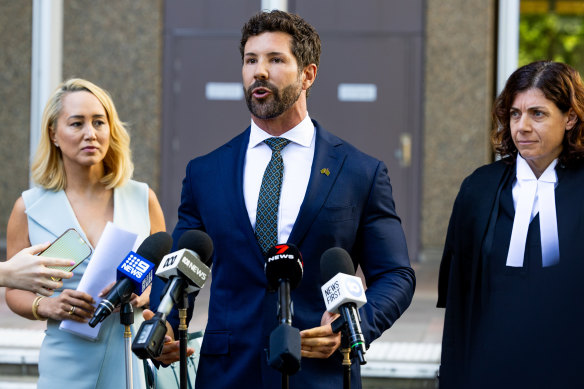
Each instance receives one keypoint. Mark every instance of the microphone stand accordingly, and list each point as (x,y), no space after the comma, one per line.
(284,350)
(340,324)
(346,351)
(182,333)
(285,318)
(127,319)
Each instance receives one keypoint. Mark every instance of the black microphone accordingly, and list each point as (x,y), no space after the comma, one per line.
(284,271)
(134,274)
(343,293)
(187,270)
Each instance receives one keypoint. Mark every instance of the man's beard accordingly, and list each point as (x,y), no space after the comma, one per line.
(275,104)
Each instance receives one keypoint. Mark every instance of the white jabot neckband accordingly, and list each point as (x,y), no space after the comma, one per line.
(533,195)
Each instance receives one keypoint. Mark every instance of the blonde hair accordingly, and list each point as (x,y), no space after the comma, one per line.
(47,168)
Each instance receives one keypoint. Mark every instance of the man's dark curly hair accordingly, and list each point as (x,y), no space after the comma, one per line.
(305,39)
(561,84)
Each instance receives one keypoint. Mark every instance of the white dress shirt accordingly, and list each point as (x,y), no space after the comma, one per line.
(297,157)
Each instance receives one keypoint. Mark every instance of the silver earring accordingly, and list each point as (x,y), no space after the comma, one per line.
(56,145)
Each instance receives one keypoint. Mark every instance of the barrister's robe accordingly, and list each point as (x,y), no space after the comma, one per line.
(511,327)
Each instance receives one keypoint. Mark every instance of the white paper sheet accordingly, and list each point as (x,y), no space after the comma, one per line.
(113,246)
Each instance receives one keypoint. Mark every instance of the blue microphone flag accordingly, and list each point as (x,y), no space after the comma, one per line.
(138,269)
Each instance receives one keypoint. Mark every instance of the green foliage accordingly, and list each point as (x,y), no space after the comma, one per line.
(552,37)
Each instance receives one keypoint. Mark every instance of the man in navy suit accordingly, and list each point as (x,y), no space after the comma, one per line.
(332,195)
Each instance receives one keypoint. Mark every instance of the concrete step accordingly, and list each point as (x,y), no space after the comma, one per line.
(402,363)
(17,382)
(19,358)
(402,360)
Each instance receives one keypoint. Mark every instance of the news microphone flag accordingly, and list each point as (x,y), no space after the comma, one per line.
(343,293)
(187,271)
(134,274)
(343,289)
(283,262)
(186,264)
(138,270)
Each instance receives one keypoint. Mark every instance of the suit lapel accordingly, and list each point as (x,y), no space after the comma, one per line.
(328,160)
(236,151)
(329,156)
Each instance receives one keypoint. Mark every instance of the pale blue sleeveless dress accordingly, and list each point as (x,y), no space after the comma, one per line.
(66,360)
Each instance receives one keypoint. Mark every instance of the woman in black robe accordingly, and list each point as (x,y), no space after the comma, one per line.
(511,281)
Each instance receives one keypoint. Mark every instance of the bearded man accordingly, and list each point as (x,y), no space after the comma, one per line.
(328,194)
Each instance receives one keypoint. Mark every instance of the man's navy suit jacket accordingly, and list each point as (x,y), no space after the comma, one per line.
(348,204)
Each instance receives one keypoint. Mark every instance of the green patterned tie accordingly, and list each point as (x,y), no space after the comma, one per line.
(266,229)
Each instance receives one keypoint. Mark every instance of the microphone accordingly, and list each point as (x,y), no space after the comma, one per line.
(134,274)
(284,269)
(343,293)
(187,270)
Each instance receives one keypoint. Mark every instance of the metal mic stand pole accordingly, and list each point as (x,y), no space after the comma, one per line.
(285,317)
(182,333)
(340,325)
(346,351)
(127,319)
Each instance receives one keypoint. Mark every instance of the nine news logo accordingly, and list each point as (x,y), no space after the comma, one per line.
(135,266)
(138,269)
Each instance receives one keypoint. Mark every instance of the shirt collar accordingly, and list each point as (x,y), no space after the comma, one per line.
(524,171)
(302,134)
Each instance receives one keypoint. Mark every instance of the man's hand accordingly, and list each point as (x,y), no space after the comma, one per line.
(320,342)
(142,301)
(171,348)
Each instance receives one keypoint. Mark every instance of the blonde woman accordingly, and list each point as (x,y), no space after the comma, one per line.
(83,168)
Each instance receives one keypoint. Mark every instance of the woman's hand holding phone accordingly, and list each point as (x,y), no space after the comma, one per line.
(28,271)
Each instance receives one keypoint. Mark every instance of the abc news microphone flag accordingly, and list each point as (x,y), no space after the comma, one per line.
(186,271)
(187,263)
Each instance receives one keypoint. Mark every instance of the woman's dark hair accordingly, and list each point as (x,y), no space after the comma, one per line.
(305,39)
(561,84)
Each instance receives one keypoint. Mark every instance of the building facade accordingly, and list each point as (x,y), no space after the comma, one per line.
(121,47)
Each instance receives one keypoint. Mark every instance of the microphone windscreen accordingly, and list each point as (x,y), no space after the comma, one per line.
(333,261)
(199,242)
(156,246)
(283,262)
